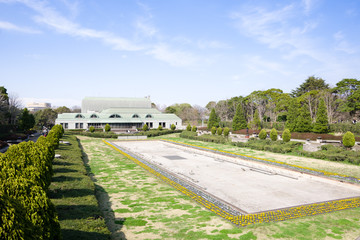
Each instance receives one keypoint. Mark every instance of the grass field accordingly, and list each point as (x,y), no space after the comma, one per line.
(73,193)
(139,206)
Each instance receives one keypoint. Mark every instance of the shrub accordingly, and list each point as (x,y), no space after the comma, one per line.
(92,129)
(348,140)
(107,128)
(219,131)
(194,128)
(286,136)
(226,132)
(213,130)
(160,128)
(172,127)
(145,127)
(262,134)
(188,127)
(273,134)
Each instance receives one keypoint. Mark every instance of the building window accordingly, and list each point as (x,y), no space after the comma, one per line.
(115,116)
(135,116)
(66,125)
(148,116)
(81,125)
(94,116)
(76,125)
(79,116)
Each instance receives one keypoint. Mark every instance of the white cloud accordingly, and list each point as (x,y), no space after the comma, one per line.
(276,30)
(203,44)
(308,5)
(12,27)
(342,44)
(174,57)
(145,28)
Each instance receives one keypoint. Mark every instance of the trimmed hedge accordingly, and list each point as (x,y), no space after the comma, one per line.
(328,152)
(25,175)
(149,133)
(205,137)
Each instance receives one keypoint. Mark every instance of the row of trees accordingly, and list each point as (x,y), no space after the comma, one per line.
(310,107)
(14,116)
(26,211)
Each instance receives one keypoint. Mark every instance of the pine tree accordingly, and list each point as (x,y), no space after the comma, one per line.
(303,121)
(239,120)
(26,120)
(292,115)
(213,119)
(321,124)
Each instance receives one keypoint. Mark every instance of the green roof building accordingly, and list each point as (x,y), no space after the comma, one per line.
(122,114)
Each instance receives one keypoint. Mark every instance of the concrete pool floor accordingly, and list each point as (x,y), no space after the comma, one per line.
(249,186)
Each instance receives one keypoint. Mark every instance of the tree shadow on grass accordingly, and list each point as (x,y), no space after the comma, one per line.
(63,170)
(65,178)
(70,234)
(68,212)
(69,193)
(114,224)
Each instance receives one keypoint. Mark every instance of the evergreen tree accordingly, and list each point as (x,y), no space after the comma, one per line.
(303,121)
(286,136)
(107,128)
(239,121)
(262,134)
(213,119)
(348,140)
(292,115)
(273,134)
(321,124)
(27,120)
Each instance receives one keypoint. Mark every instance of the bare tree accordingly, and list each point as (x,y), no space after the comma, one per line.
(15,106)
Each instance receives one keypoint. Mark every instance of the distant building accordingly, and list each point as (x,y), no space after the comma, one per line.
(34,106)
(120,113)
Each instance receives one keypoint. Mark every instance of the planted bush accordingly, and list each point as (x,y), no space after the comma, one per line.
(348,140)
(226,132)
(286,136)
(213,130)
(194,128)
(160,128)
(92,129)
(262,134)
(145,127)
(219,131)
(188,127)
(107,128)
(273,134)
(172,127)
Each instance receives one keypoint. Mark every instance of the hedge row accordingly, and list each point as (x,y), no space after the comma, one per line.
(205,137)
(26,211)
(328,152)
(345,127)
(150,133)
(271,146)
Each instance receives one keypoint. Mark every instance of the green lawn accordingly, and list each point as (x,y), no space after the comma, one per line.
(73,193)
(143,207)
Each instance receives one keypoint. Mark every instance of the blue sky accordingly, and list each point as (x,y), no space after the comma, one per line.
(175,51)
